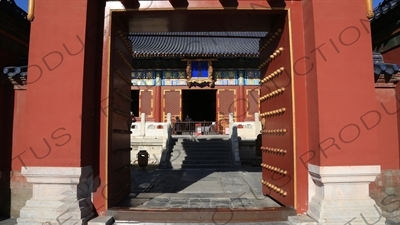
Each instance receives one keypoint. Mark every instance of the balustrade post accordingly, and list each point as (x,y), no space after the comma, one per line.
(142,124)
(231,123)
(257,124)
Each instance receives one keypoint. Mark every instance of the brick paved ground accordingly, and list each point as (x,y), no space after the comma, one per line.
(198,188)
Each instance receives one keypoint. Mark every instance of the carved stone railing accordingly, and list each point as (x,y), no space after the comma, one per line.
(154,137)
(150,129)
(249,129)
(242,130)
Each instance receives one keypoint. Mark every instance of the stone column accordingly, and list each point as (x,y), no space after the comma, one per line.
(157,99)
(344,155)
(169,118)
(241,98)
(257,124)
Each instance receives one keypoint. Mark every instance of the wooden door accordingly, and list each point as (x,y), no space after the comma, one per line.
(119,150)
(276,96)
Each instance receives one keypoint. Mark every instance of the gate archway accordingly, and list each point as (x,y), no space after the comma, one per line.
(276,105)
(323,119)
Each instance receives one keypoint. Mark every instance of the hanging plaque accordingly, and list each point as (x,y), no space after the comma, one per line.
(199,72)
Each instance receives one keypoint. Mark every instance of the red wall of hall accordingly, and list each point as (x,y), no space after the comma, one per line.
(338,92)
(392,56)
(386,122)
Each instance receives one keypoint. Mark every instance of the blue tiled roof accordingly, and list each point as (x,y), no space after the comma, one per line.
(382,67)
(196,44)
(385,7)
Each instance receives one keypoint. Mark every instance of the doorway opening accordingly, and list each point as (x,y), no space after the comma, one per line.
(135,102)
(189,154)
(200,105)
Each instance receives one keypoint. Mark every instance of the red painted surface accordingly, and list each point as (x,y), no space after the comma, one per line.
(338,94)
(55,92)
(386,122)
(397,94)
(100,196)
(18,138)
(241,102)
(300,108)
(392,56)
(63,101)
(283,183)
(157,104)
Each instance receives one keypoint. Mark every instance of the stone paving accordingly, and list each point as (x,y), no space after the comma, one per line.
(197,188)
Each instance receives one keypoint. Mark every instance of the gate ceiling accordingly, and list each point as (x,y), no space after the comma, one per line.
(118,151)
(277,115)
(201,20)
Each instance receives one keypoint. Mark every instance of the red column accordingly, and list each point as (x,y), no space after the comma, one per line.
(157,112)
(340,94)
(341,111)
(157,105)
(241,101)
(63,104)
(62,84)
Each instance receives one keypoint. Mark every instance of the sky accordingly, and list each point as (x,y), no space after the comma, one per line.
(23,4)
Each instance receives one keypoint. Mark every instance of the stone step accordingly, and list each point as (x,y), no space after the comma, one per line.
(206,162)
(201,153)
(204,153)
(178,154)
(207,166)
(202,149)
(202,146)
(208,157)
(200,215)
(201,143)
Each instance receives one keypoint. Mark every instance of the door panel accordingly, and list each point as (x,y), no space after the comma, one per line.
(225,104)
(146,103)
(118,152)
(172,103)
(277,115)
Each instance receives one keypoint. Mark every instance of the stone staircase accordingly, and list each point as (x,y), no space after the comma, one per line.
(201,152)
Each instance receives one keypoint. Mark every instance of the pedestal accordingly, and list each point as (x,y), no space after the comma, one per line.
(342,195)
(61,195)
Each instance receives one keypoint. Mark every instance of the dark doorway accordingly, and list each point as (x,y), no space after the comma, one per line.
(200,105)
(135,102)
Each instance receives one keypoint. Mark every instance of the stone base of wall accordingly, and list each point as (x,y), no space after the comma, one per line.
(341,195)
(21,191)
(61,195)
(385,190)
